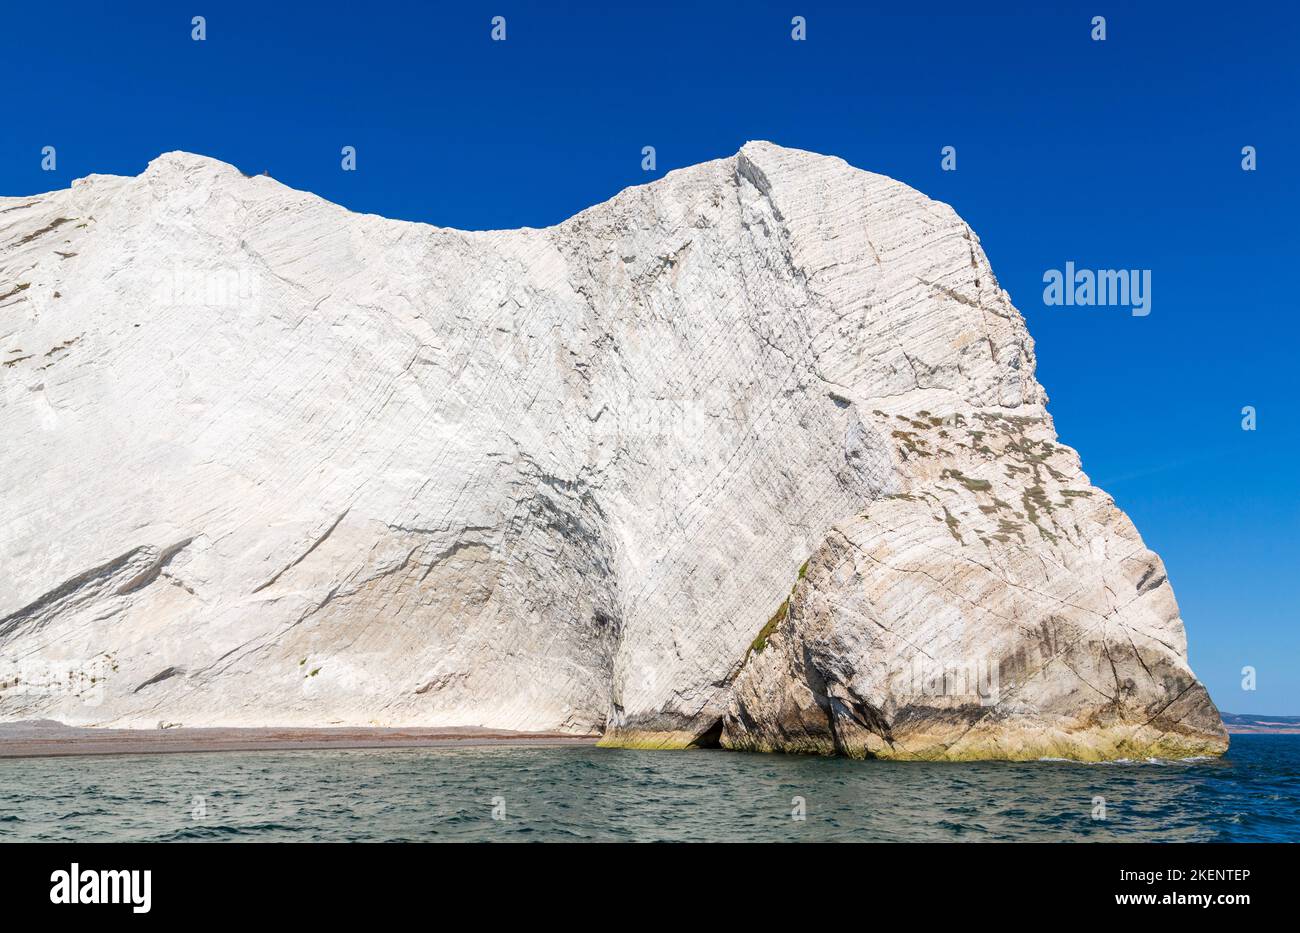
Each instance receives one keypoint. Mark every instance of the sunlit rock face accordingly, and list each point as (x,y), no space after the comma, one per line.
(271,462)
(1001,607)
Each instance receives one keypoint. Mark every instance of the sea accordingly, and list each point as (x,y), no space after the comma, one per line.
(582,793)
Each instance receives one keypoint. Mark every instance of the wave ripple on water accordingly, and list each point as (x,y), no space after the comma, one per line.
(586,793)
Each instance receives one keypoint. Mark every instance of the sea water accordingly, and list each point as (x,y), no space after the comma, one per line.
(511,793)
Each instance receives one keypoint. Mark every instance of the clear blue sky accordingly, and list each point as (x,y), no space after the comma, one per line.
(1115,154)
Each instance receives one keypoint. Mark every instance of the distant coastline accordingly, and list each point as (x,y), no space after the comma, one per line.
(1251,724)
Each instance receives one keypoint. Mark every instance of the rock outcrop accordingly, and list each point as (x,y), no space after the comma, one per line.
(1001,608)
(269,462)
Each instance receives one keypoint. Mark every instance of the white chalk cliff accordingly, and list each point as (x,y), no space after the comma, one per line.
(269,462)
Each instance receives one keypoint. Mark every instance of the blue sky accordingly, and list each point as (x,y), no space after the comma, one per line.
(1115,154)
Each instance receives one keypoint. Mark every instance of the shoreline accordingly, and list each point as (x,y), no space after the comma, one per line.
(55,740)
(49,739)
(1257,724)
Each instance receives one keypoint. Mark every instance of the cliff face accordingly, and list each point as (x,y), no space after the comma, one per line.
(1002,607)
(271,462)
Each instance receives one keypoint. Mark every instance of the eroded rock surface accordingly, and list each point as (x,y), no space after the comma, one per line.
(1001,608)
(271,462)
